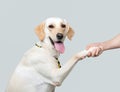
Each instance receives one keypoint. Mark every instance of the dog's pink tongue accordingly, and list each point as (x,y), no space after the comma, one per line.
(60,47)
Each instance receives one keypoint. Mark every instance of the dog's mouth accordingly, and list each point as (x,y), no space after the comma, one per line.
(58,45)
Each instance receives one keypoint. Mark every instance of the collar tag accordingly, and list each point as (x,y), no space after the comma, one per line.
(38,45)
(59,65)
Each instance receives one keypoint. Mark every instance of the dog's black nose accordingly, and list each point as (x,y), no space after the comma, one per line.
(59,36)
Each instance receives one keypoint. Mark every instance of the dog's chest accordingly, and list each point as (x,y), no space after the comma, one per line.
(46,56)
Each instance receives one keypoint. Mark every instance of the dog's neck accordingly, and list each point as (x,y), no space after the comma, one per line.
(47,45)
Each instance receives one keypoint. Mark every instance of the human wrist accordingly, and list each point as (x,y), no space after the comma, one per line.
(105,45)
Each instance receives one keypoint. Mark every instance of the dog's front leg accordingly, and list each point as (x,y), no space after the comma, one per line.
(61,74)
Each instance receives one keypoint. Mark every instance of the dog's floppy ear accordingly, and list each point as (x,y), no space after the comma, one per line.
(70,33)
(39,30)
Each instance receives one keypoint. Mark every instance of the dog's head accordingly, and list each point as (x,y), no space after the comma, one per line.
(56,30)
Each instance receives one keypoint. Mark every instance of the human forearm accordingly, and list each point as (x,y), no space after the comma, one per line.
(111,44)
(102,46)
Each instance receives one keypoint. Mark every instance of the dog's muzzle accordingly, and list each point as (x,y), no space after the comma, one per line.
(59,36)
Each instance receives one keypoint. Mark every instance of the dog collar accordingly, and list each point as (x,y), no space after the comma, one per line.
(59,65)
(38,45)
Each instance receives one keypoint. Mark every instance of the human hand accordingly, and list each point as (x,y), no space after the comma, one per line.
(95,52)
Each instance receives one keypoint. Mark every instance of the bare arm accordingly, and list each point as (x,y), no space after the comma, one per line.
(113,43)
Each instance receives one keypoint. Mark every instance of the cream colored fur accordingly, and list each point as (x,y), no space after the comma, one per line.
(38,70)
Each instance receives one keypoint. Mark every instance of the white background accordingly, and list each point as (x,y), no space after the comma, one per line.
(92,21)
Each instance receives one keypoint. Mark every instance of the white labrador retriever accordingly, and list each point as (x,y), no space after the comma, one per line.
(39,70)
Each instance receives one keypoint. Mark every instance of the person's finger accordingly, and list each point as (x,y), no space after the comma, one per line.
(97,52)
(100,52)
(89,54)
(93,53)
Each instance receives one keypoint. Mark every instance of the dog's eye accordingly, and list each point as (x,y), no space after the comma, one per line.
(51,26)
(63,25)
